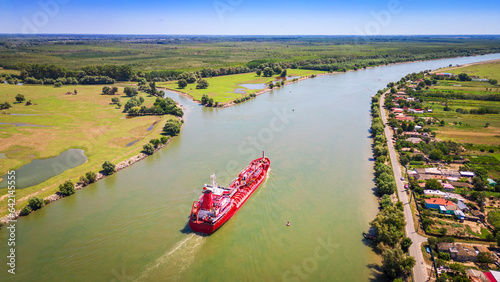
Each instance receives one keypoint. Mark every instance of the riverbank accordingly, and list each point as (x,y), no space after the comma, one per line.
(80,185)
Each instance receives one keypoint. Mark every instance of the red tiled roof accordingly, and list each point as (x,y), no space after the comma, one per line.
(439,201)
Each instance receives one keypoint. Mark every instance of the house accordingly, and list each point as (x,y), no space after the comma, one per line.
(417,127)
(458,252)
(444,206)
(434,193)
(491,182)
(462,206)
(467,174)
(414,140)
(401,93)
(444,247)
(460,214)
(466,253)
(461,184)
(448,187)
(476,275)
(411,134)
(397,110)
(429,111)
(403,117)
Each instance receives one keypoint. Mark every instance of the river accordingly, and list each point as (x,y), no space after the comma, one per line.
(132,225)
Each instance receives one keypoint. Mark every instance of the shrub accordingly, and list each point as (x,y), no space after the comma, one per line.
(35,203)
(67,188)
(172,127)
(26,210)
(148,149)
(164,140)
(108,167)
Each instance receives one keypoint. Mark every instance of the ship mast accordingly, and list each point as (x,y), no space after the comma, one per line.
(214,184)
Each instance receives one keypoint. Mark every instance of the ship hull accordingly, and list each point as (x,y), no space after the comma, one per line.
(207,228)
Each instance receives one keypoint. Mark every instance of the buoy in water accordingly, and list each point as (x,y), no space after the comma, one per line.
(288,223)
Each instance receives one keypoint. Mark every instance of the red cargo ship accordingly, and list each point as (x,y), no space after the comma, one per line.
(218,204)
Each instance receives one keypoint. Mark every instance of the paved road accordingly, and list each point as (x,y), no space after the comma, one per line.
(419,271)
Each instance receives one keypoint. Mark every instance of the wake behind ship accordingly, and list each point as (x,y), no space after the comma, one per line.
(218,204)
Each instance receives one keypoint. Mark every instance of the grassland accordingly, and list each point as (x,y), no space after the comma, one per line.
(86,121)
(489,70)
(223,88)
(146,53)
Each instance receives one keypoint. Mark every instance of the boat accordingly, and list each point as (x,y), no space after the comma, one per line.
(217,204)
(369,236)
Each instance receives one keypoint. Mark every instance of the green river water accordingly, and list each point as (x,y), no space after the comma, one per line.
(133,225)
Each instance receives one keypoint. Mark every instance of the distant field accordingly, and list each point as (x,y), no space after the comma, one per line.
(9,72)
(487,70)
(465,128)
(223,88)
(86,121)
(148,53)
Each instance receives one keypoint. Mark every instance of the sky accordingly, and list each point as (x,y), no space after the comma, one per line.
(251,17)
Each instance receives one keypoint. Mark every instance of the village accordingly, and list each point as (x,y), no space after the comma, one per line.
(455,205)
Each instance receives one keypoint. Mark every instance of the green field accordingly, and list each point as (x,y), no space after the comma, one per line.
(86,121)
(146,53)
(223,88)
(489,70)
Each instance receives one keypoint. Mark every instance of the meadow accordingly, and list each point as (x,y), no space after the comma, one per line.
(85,121)
(490,70)
(227,88)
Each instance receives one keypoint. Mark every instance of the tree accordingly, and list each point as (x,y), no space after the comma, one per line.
(113,90)
(91,176)
(204,99)
(172,127)
(67,188)
(464,77)
(283,73)
(396,263)
(106,90)
(26,210)
(108,167)
(404,160)
(130,91)
(57,84)
(5,106)
(182,83)
(164,140)
(20,98)
(271,85)
(478,183)
(115,100)
(202,84)
(277,69)
(405,244)
(75,91)
(148,149)
(155,142)
(433,184)
(35,203)
(268,72)
(393,90)
(436,155)
(485,257)
(493,81)
(258,72)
